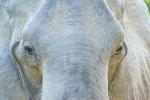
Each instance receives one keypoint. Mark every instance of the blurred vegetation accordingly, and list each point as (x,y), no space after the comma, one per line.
(148,4)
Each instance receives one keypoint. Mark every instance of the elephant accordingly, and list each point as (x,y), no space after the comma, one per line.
(75,50)
(12,21)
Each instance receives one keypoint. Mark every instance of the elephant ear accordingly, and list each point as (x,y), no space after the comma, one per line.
(27,65)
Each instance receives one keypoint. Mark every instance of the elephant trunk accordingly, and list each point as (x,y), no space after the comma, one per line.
(75,77)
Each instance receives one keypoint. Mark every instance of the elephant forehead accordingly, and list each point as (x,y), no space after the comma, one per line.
(63,18)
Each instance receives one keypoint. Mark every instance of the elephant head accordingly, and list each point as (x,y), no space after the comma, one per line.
(70,50)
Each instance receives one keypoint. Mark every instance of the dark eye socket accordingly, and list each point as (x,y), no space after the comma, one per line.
(119,49)
(122,47)
(28,48)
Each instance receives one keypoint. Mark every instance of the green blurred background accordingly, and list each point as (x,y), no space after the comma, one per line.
(148,4)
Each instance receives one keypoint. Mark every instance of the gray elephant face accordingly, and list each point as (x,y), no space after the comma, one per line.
(67,50)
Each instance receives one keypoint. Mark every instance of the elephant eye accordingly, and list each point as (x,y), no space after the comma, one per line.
(121,47)
(28,48)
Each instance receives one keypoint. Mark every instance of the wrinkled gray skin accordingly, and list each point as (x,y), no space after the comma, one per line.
(11,23)
(10,87)
(70,50)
